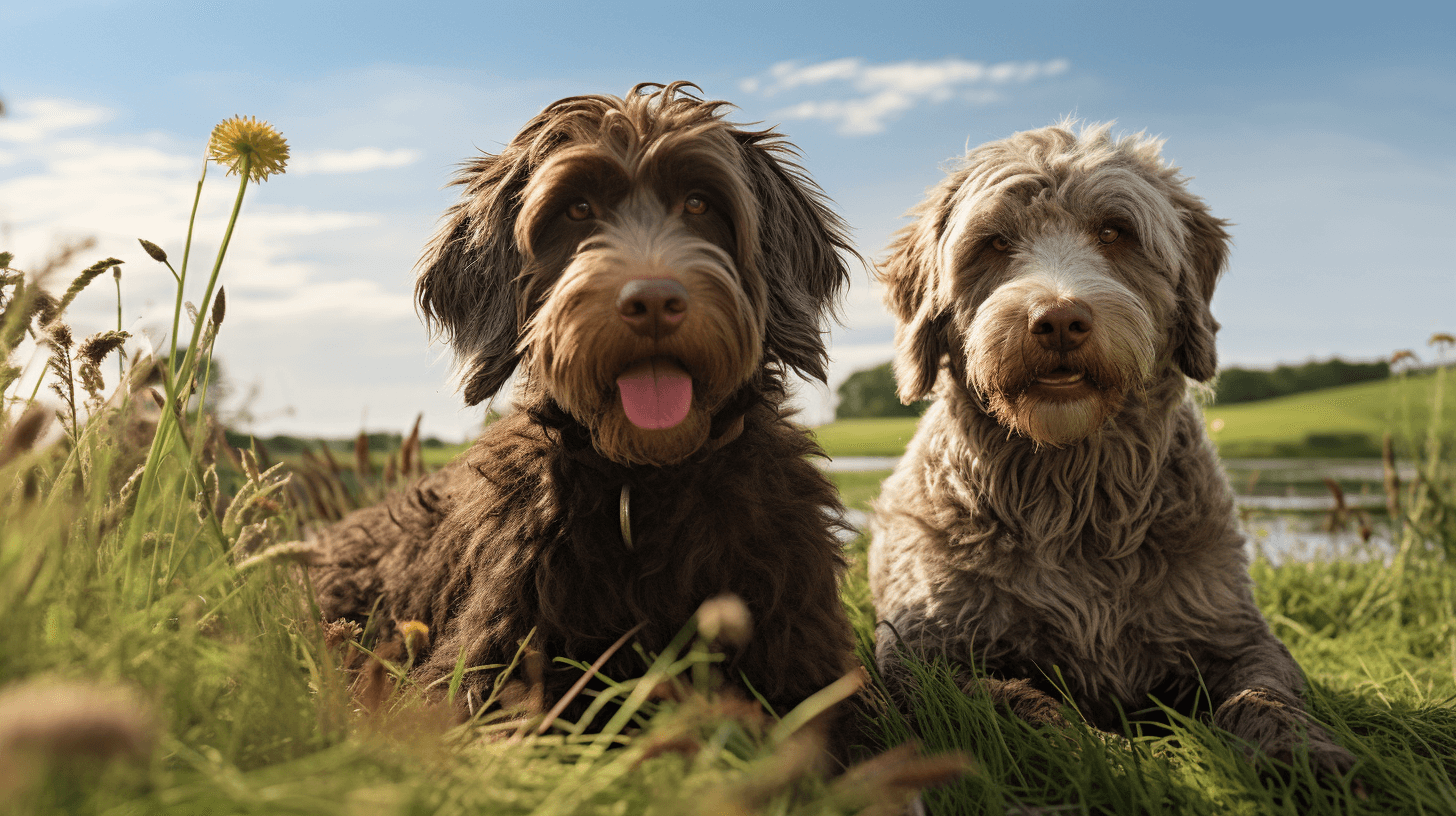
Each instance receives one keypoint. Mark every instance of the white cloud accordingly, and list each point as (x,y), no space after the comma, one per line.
(359,160)
(877,93)
(35,120)
(341,301)
(121,187)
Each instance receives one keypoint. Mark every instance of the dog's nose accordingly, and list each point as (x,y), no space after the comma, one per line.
(1063,327)
(653,307)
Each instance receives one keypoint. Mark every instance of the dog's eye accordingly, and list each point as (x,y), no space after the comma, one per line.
(1000,244)
(695,205)
(1107,235)
(579,210)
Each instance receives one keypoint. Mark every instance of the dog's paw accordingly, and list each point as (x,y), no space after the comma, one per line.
(1276,727)
(1332,761)
(1025,700)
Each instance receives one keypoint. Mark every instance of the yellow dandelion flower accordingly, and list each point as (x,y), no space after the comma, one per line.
(237,138)
(416,635)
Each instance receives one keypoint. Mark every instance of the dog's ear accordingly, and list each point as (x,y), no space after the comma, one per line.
(912,291)
(468,286)
(802,246)
(1205,253)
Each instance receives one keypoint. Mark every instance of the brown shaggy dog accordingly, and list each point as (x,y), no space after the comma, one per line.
(650,271)
(1060,507)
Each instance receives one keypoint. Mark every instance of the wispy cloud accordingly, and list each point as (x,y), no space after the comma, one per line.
(863,97)
(117,188)
(359,160)
(36,120)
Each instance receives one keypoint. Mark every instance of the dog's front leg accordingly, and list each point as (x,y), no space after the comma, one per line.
(1257,694)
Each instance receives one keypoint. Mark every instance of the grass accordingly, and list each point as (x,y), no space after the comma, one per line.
(1347,420)
(151,661)
(858,487)
(866,437)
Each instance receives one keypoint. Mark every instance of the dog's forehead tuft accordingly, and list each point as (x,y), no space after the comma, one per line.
(1090,175)
(629,126)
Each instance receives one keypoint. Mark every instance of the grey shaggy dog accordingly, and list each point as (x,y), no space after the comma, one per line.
(1060,508)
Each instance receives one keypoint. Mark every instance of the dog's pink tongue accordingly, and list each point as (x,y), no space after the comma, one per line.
(656,394)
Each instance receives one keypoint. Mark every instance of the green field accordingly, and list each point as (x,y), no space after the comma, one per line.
(1347,421)
(866,437)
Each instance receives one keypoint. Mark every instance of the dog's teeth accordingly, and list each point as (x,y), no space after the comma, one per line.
(1065,379)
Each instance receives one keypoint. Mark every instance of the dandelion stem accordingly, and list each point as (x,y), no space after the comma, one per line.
(186,254)
(120,370)
(192,350)
(173,381)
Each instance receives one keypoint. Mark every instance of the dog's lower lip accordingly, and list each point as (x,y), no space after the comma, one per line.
(1060,376)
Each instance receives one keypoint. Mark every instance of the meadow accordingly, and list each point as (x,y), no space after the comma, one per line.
(160,652)
(1347,421)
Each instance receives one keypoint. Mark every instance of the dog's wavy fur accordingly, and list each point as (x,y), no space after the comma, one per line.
(1085,531)
(523,532)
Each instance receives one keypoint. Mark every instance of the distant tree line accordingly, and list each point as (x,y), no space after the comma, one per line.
(871,392)
(286,444)
(1247,385)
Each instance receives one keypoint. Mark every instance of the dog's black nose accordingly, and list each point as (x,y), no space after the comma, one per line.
(1063,327)
(653,307)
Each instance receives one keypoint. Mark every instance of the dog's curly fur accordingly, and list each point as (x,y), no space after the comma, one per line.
(1060,508)
(523,532)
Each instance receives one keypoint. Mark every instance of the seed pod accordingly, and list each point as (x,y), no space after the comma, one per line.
(219,306)
(158,254)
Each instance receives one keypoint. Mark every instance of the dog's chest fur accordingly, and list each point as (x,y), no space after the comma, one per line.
(1098,560)
(521,537)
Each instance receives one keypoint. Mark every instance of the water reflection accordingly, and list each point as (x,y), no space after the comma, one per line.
(1286,506)
(1288,537)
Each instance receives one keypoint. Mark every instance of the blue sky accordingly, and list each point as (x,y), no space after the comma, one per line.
(1322,130)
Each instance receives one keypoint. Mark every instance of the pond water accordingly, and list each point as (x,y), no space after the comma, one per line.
(1286,507)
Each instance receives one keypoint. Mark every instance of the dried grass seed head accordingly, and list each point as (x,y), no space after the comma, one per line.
(65,718)
(60,335)
(84,279)
(95,348)
(725,617)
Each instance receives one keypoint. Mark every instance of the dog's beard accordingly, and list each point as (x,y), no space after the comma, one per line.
(618,439)
(1057,415)
(1058,398)
(1056,422)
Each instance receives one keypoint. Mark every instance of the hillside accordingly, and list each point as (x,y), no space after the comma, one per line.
(1344,421)
(1347,420)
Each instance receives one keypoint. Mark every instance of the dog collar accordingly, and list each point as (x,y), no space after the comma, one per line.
(624,514)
